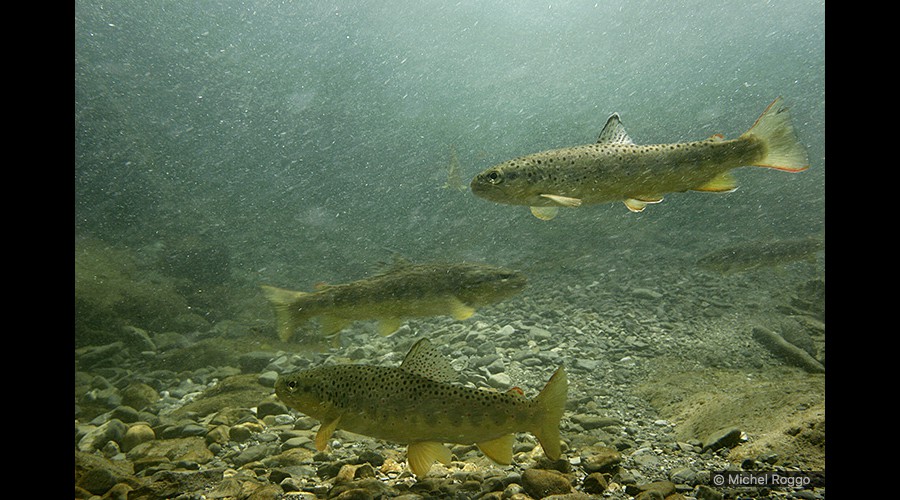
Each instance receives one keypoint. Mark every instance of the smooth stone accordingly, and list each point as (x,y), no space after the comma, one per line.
(506,330)
(137,434)
(254,362)
(254,453)
(602,459)
(683,475)
(218,434)
(589,422)
(191,449)
(239,433)
(664,488)
(645,458)
(270,408)
(539,333)
(126,414)
(296,442)
(540,483)
(139,395)
(496,366)
(268,378)
(500,381)
(595,483)
(96,439)
(728,437)
(646,293)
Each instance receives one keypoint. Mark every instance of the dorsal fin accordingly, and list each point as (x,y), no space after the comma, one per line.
(424,360)
(614,132)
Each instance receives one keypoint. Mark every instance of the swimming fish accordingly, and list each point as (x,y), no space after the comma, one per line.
(418,404)
(617,169)
(454,179)
(403,291)
(755,254)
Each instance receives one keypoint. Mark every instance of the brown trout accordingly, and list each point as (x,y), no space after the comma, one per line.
(418,405)
(617,169)
(405,290)
(751,255)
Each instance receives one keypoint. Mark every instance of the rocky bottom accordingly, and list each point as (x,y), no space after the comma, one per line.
(668,387)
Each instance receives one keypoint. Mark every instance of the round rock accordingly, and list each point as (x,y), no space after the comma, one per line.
(137,434)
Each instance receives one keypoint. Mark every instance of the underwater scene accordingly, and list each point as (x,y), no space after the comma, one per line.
(458,250)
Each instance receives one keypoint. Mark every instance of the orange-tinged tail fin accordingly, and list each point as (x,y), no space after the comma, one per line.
(552,401)
(774,129)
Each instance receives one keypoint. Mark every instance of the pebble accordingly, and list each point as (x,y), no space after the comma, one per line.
(96,439)
(500,381)
(727,437)
(540,483)
(615,444)
(506,331)
(137,434)
(268,378)
(646,293)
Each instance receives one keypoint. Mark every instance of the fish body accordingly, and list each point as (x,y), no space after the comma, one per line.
(755,254)
(418,404)
(406,290)
(617,169)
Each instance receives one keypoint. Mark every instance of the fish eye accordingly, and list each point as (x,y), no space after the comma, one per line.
(494,177)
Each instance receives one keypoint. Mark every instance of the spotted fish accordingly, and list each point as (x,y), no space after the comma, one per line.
(617,169)
(403,291)
(418,404)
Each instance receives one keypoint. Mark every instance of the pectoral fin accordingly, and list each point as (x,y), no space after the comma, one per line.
(499,450)
(324,433)
(420,456)
(564,201)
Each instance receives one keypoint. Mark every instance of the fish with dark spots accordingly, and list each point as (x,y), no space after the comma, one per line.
(617,169)
(418,404)
(405,290)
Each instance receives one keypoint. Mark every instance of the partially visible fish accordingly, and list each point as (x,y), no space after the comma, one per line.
(755,254)
(454,179)
(617,169)
(418,404)
(406,290)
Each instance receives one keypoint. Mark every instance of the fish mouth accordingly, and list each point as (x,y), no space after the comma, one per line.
(485,187)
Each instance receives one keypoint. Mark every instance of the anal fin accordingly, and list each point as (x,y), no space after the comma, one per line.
(332,324)
(459,310)
(722,183)
(420,456)
(499,450)
(387,326)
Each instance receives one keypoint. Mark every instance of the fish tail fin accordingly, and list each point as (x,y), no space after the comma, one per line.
(783,149)
(552,403)
(288,313)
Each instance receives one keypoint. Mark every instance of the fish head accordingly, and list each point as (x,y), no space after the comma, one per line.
(489,284)
(302,391)
(508,183)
